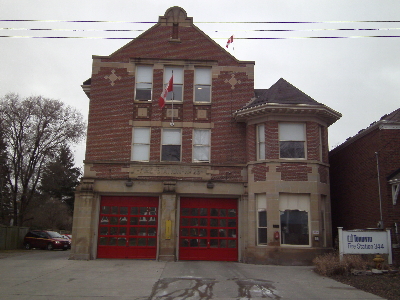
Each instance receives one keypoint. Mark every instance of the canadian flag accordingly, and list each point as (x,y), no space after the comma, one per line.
(230,41)
(169,88)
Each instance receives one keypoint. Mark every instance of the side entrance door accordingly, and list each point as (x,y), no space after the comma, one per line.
(128,227)
(208,229)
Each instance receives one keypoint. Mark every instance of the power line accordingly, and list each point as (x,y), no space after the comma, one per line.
(248,30)
(255,38)
(221,22)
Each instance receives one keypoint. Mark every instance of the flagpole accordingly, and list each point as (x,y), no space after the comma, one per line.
(172,112)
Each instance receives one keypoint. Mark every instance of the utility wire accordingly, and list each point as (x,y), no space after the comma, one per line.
(248,30)
(239,22)
(255,38)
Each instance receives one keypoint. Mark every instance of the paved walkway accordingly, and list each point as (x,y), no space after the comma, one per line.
(40,274)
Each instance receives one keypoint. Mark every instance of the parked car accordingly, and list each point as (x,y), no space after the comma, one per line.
(44,239)
(67,236)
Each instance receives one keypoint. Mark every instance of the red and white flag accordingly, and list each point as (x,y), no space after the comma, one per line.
(230,41)
(169,88)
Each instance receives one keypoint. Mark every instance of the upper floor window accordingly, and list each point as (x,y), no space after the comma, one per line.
(292,139)
(171,145)
(140,144)
(202,85)
(144,82)
(177,93)
(260,141)
(201,145)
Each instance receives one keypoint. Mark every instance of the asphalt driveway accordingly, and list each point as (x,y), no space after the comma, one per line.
(40,274)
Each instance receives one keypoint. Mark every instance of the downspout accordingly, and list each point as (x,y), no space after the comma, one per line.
(380,224)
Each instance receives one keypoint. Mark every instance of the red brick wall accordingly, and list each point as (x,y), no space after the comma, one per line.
(292,171)
(112,107)
(317,142)
(354,181)
(260,172)
(272,140)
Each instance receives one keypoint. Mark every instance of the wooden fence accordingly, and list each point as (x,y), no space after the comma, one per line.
(12,237)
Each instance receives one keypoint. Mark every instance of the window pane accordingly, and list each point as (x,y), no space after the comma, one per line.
(178,75)
(201,142)
(202,76)
(262,236)
(292,150)
(202,93)
(143,91)
(261,141)
(171,137)
(261,133)
(262,218)
(294,226)
(141,144)
(144,74)
(201,137)
(141,152)
(171,149)
(103,241)
(291,132)
(261,151)
(176,94)
(105,209)
(201,153)
(141,135)
(171,153)
(144,79)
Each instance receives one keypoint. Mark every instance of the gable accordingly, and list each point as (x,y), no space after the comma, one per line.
(174,37)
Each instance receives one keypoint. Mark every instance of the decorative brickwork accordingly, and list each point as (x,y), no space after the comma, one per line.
(294,171)
(260,172)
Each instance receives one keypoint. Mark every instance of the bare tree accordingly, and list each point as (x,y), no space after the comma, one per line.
(34,130)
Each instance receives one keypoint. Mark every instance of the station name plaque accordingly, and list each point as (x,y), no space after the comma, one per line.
(167,171)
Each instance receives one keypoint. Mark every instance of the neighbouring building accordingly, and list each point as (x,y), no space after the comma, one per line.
(222,172)
(365,178)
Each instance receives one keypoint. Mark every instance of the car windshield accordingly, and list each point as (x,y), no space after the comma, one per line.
(54,234)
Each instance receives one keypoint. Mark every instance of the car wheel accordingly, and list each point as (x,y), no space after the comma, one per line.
(28,246)
(50,246)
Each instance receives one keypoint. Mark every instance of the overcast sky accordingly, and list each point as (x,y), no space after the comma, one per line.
(356,75)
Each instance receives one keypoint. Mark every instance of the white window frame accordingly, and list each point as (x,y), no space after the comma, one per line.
(140,144)
(144,77)
(292,132)
(169,137)
(294,202)
(261,142)
(202,83)
(261,202)
(201,145)
(178,82)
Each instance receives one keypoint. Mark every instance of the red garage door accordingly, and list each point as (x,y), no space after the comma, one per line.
(128,227)
(208,229)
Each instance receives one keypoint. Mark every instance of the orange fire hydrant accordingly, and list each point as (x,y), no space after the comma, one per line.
(378,260)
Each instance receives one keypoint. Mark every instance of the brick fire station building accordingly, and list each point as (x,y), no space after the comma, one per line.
(365,180)
(222,172)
